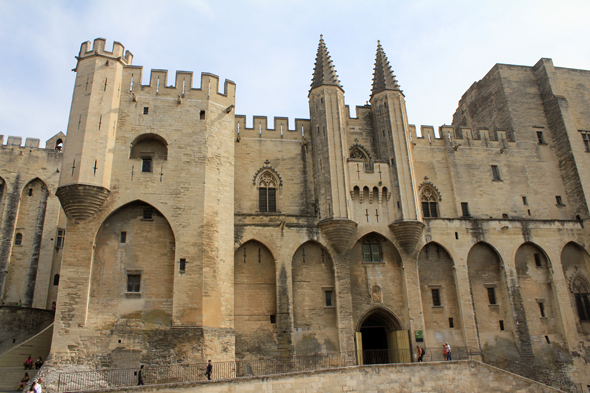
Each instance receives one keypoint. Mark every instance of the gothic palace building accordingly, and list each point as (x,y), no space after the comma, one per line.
(175,233)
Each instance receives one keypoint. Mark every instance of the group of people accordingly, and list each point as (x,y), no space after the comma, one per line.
(36,386)
(29,363)
(446,352)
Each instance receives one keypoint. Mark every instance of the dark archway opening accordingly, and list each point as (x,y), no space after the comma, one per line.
(375,343)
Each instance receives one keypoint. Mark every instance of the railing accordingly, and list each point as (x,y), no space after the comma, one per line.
(161,374)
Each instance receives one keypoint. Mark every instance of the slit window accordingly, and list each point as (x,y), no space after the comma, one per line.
(451,323)
(273,319)
(436,297)
(30,193)
(586,140)
(496,172)
(56,279)
(18,239)
(559,200)
(182,265)
(524,201)
(542,309)
(123,238)
(492,295)
(540,138)
(501,325)
(202,115)
(133,282)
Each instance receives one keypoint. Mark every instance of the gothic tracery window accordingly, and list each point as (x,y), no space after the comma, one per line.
(582,296)
(429,203)
(267,193)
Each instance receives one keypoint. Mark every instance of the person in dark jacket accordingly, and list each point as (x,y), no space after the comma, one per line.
(140,376)
(209,370)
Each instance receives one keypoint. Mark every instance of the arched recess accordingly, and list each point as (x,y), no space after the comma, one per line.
(491,303)
(314,301)
(575,262)
(21,274)
(440,304)
(149,145)
(383,340)
(539,301)
(255,301)
(132,274)
(376,276)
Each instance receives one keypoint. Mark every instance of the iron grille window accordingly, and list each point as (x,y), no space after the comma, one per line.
(61,237)
(492,295)
(133,281)
(146,165)
(267,199)
(436,297)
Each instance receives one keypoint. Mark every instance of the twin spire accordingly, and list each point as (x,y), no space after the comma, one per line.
(324,72)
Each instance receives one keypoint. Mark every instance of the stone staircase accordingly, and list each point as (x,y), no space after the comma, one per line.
(11,361)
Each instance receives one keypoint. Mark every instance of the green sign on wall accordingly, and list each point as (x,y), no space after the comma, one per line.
(419,335)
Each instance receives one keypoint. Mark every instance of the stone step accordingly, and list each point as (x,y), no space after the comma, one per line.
(36,346)
(11,376)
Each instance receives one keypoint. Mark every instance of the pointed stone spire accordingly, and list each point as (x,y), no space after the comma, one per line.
(383,78)
(324,72)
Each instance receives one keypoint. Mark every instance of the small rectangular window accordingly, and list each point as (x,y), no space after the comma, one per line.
(146,110)
(586,140)
(61,237)
(262,201)
(501,325)
(496,172)
(56,279)
(146,165)
(123,238)
(273,319)
(492,295)
(540,137)
(547,339)
(30,192)
(529,212)
(329,298)
(558,200)
(465,209)
(133,281)
(538,260)
(436,297)
(147,214)
(202,115)
(542,309)
(451,323)
(524,201)
(18,239)
(457,235)
(182,265)
(272,199)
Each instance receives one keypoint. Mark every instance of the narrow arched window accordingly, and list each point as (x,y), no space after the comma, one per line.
(429,203)
(582,296)
(267,193)
(18,239)
(371,250)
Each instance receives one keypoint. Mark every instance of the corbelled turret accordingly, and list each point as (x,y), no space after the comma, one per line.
(324,72)
(383,77)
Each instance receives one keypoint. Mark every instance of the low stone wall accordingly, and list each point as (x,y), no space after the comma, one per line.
(457,376)
(21,323)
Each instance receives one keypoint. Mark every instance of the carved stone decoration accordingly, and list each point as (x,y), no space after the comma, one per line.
(338,231)
(407,233)
(81,201)
(376,294)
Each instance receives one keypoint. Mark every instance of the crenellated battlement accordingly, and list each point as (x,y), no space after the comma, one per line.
(181,89)
(33,143)
(280,130)
(97,49)
(460,137)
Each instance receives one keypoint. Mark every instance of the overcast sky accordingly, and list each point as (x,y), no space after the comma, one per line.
(437,48)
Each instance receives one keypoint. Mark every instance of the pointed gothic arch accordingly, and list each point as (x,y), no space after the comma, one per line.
(359,152)
(429,198)
(268,182)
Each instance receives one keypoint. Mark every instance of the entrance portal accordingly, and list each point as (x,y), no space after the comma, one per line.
(380,340)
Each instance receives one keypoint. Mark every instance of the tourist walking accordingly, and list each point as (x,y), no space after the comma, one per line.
(209,370)
(448,351)
(38,386)
(421,353)
(140,376)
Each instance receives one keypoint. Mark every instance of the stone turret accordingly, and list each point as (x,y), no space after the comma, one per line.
(393,137)
(85,177)
(328,133)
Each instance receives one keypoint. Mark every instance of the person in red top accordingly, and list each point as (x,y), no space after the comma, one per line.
(29,363)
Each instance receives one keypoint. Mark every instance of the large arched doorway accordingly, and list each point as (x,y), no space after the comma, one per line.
(380,339)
